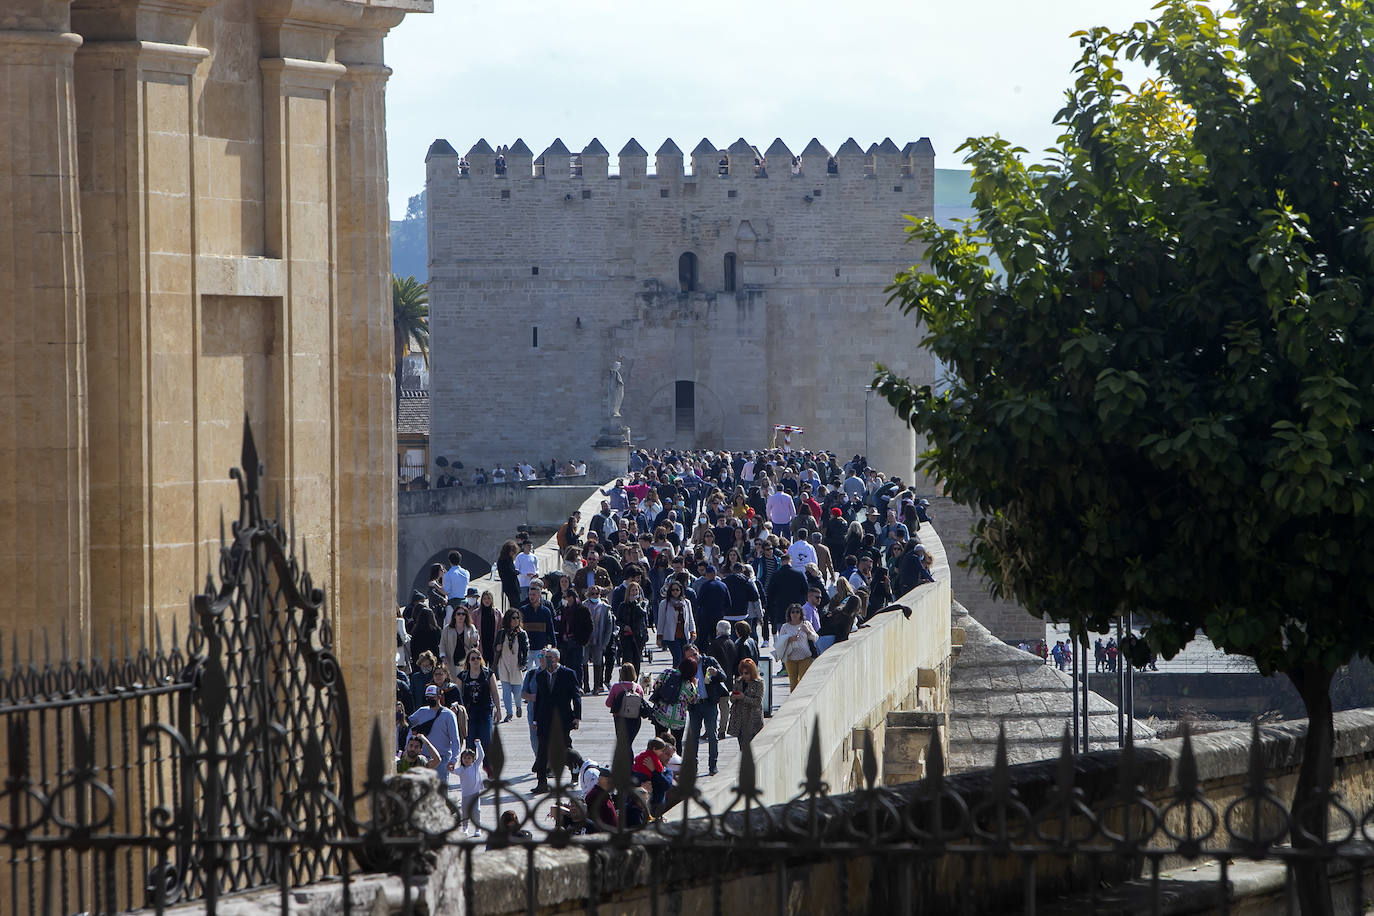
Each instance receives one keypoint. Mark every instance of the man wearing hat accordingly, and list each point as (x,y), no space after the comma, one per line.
(440,725)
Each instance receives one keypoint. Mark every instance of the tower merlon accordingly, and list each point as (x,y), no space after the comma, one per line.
(634,160)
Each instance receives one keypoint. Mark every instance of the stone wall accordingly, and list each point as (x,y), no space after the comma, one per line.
(551,277)
(195,232)
(820,880)
(477,519)
(1007,620)
(895,663)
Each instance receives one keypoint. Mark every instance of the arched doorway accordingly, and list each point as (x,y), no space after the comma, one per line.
(687,272)
(476,566)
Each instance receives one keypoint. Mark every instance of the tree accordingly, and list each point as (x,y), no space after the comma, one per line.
(1164,402)
(409,321)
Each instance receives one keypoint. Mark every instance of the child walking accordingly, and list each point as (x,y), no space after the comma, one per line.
(470,782)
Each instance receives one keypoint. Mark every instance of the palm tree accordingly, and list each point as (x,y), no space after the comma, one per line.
(409,320)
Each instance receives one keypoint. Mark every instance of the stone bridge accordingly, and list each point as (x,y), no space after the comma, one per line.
(476,521)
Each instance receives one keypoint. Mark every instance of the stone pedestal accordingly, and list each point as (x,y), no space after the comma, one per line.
(611,452)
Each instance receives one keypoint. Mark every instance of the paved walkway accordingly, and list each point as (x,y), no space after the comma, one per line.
(595,740)
(1200,656)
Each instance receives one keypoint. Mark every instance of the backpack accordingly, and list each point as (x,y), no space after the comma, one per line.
(629,705)
(668,689)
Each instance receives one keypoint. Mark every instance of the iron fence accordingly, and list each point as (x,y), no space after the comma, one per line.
(182,773)
(188,772)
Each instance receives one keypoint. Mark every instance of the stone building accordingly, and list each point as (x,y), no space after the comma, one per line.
(735,296)
(193,227)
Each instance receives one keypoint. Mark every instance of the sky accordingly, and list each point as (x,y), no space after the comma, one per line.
(903,69)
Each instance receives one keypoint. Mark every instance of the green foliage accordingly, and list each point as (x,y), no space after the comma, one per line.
(409,320)
(1165,400)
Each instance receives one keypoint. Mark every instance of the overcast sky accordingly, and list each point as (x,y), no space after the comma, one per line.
(613,70)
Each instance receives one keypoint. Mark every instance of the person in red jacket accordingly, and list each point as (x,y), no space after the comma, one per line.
(650,766)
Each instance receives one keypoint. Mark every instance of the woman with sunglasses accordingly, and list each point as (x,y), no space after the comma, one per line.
(792,644)
(481,697)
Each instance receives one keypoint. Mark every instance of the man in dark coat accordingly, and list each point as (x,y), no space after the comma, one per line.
(712,603)
(743,592)
(788,586)
(557,705)
(911,570)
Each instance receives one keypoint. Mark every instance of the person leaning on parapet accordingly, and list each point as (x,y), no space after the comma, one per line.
(723,167)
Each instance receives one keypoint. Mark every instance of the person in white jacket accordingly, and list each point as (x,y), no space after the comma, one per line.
(675,624)
(792,644)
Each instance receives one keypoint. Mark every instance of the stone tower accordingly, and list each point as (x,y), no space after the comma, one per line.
(737,296)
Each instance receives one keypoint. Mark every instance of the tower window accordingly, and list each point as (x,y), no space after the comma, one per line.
(534,336)
(687,272)
(730,272)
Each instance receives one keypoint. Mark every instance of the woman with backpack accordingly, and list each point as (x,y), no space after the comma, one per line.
(626,703)
(672,692)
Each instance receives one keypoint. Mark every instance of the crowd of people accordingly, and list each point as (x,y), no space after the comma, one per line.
(1107,656)
(713,557)
(452,476)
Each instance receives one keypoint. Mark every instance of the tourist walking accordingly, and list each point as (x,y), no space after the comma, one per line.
(511,659)
(746,704)
(481,697)
(792,645)
(626,703)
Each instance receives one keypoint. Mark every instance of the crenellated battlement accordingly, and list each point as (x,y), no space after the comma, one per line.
(707,160)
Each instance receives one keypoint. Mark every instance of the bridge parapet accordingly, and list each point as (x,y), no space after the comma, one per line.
(896,663)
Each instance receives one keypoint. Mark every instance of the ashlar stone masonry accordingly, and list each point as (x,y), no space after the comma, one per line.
(736,298)
(193,228)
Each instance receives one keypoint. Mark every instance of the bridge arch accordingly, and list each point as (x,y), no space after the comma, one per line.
(476,565)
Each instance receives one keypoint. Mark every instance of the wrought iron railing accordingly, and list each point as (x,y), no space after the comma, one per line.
(188,772)
(1098,833)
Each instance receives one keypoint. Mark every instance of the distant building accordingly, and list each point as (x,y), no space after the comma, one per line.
(412,435)
(737,295)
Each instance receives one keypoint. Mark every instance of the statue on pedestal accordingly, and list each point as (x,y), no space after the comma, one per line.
(614,434)
(615,391)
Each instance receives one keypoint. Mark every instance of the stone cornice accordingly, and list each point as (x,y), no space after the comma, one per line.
(149,55)
(306,74)
(332,13)
(21,46)
(366,73)
(172,21)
